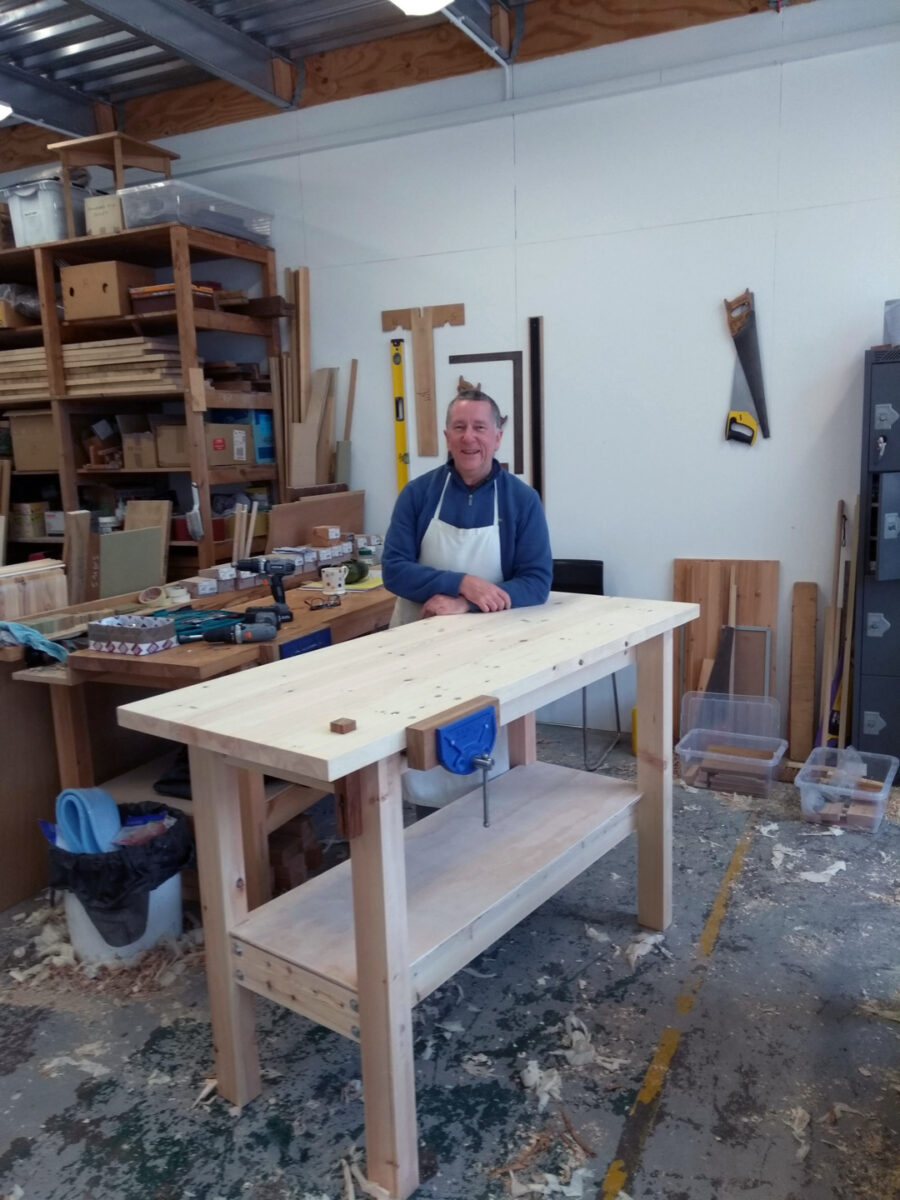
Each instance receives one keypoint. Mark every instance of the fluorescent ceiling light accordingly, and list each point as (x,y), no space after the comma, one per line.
(420,8)
(5,110)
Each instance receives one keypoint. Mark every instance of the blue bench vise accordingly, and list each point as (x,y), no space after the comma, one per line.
(459,739)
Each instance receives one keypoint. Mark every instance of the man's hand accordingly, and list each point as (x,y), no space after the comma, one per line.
(484,595)
(444,606)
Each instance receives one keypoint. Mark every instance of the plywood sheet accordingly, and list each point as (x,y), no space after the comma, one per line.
(705,581)
(290,524)
(130,561)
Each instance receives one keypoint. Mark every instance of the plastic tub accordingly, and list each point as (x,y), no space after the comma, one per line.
(38,211)
(174,200)
(846,787)
(730,743)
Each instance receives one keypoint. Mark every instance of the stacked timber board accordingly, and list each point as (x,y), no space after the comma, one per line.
(118,366)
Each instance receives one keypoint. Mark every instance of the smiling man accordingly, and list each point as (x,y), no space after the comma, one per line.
(468,536)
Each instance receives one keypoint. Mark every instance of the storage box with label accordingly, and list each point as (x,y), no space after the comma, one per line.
(229,445)
(103,215)
(261,422)
(138,442)
(54,523)
(101,289)
(172,446)
(7,241)
(38,210)
(33,440)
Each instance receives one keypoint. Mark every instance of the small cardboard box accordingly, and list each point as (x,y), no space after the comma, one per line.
(198,585)
(27,520)
(103,214)
(100,289)
(10,318)
(229,445)
(172,446)
(33,440)
(54,523)
(138,442)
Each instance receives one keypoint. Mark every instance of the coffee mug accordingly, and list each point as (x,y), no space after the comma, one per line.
(333,580)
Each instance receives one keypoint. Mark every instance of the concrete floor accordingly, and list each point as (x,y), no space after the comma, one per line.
(754,1054)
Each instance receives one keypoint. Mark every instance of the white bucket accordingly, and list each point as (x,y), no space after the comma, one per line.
(164,919)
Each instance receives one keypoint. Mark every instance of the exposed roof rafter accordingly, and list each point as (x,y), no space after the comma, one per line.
(199,38)
(49,104)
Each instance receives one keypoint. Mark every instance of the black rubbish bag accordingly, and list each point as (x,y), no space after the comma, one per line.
(115,887)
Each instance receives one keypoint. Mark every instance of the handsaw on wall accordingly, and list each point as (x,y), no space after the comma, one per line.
(742,326)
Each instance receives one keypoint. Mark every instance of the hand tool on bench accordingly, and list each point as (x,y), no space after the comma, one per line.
(274,569)
(460,740)
(741,315)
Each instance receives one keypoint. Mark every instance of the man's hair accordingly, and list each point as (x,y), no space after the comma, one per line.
(470,391)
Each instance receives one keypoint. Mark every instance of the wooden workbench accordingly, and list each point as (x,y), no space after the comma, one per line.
(355,948)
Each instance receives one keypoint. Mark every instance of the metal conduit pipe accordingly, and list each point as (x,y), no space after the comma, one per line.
(498,58)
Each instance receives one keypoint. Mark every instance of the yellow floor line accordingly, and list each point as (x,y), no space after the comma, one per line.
(640,1119)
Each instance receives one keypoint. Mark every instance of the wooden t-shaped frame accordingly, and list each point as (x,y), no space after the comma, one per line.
(422,321)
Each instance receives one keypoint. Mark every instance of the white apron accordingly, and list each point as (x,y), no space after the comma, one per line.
(473,552)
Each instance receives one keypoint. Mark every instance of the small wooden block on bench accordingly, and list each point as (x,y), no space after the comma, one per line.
(421,745)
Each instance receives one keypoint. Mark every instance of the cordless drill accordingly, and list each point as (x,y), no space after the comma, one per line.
(261,631)
(274,570)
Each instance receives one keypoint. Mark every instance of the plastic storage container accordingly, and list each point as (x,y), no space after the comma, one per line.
(846,787)
(730,743)
(175,200)
(38,211)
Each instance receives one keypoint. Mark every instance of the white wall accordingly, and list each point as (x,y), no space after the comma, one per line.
(621,194)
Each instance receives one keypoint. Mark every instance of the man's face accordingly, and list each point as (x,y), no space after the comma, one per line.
(472,438)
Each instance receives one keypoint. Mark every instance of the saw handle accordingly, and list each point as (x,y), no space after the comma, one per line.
(738,311)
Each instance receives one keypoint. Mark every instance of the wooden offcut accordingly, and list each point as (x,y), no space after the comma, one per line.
(802,703)
(152,514)
(706,581)
(290,524)
(422,322)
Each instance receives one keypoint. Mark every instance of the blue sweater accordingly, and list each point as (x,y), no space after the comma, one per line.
(524,540)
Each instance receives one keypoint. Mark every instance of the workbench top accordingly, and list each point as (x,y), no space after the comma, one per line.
(277,717)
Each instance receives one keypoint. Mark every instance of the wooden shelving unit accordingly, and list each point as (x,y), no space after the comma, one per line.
(169,247)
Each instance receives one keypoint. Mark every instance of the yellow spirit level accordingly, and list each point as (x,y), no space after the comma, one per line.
(400,442)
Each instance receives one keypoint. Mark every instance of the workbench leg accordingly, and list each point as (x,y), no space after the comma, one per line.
(522,734)
(215,794)
(654,780)
(73,740)
(256,838)
(382,962)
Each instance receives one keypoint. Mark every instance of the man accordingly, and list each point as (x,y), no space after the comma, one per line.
(468,536)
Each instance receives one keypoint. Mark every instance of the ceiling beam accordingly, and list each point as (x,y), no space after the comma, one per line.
(50,104)
(474,18)
(196,37)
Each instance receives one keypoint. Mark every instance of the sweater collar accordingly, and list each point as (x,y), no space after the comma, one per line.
(458,479)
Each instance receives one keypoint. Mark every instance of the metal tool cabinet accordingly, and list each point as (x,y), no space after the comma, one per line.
(357,947)
(876,684)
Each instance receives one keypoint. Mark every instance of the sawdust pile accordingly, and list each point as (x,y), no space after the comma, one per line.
(41,966)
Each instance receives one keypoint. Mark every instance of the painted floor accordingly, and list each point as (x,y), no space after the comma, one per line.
(752,1054)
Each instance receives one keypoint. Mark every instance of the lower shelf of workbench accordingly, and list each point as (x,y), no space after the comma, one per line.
(466,887)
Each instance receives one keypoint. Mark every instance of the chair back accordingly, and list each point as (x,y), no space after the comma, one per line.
(581,575)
